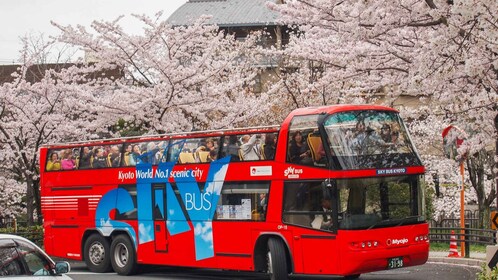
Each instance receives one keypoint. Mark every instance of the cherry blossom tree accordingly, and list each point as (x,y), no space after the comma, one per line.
(35,113)
(176,78)
(434,60)
(171,79)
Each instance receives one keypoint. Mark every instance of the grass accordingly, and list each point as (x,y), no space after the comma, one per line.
(445,247)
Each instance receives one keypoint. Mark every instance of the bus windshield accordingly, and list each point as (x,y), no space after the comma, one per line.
(369,139)
(368,203)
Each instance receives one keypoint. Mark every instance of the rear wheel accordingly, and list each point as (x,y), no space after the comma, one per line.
(123,256)
(96,254)
(277,260)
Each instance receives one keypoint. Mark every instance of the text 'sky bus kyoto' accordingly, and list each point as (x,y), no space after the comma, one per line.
(335,190)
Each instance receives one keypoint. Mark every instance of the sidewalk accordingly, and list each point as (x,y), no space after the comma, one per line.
(476,259)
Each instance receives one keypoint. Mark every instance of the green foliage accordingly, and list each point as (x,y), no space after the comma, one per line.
(429,200)
(445,247)
(33,233)
(487,274)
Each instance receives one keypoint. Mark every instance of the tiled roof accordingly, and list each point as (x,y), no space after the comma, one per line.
(226,13)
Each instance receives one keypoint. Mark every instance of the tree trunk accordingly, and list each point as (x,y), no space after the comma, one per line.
(476,165)
(30,199)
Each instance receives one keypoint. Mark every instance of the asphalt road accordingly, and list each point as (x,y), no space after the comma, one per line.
(438,271)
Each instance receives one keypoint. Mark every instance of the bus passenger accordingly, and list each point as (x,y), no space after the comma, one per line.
(385,133)
(99,160)
(323,221)
(233,148)
(85,161)
(114,156)
(68,162)
(210,144)
(269,149)
(248,149)
(54,163)
(299,150)
(134,155)
(213,155)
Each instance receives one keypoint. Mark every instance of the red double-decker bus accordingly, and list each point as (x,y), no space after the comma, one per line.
(335,190)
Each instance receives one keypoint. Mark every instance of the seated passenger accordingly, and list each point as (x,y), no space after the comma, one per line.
(213,155)
(298,150)
(269,148)
(68,162)
(114,157)
(323,221)
(99,160)
(86,158)
(54,163)
(133,157)
(232,149)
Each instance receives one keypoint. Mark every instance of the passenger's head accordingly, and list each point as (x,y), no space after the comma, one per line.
(115,150)
(209,143)
(326,203)
(270,139)
(245,138)
(360,125)
(151,146)
(297,137)
(136,149)
(67,154)
(54,156)
(385,129)
(232,139)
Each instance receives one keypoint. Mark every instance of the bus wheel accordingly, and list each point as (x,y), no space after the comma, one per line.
(96,254)
(277,264)
(123,256)
(354,276)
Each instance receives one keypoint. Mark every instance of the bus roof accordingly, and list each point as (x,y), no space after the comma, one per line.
(331,109)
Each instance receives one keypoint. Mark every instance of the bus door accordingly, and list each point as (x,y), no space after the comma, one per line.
(310,206)
(159,214)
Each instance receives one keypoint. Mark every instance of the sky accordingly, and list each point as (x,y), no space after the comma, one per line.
(19,18)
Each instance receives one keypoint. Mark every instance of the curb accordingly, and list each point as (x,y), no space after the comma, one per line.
(458,261)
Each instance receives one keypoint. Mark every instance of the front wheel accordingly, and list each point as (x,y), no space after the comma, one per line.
(277,259)
(123,256)
(96,253)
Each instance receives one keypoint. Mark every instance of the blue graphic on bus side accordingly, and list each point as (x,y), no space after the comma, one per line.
(200,205)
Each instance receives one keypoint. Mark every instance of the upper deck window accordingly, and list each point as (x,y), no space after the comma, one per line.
(369,139)
(305,143)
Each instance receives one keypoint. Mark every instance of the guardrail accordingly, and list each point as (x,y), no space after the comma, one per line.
(470,236)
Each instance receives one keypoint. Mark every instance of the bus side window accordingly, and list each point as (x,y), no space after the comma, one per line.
(306,205)
(243,201)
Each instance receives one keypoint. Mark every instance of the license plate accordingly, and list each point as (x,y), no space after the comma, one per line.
(395,262)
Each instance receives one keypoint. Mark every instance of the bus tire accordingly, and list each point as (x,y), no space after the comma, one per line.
(123,255)
(354,276)
(96,253)
(277,260)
